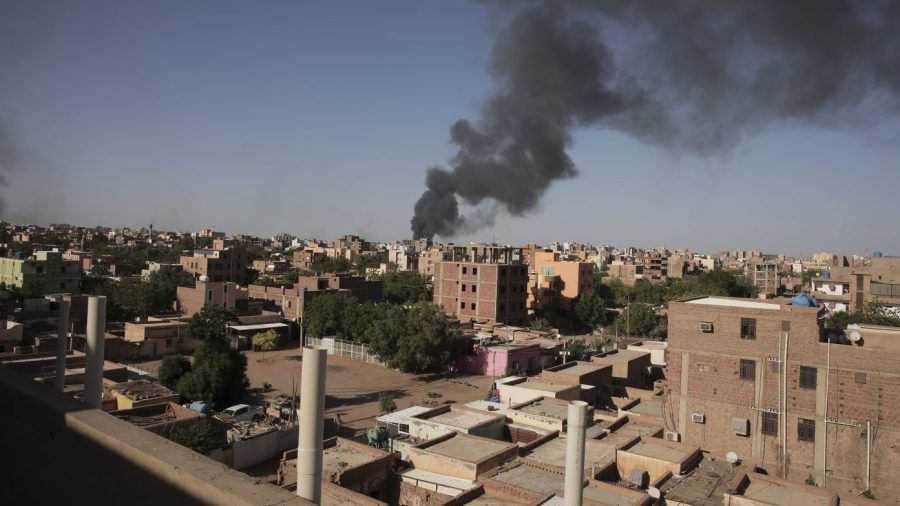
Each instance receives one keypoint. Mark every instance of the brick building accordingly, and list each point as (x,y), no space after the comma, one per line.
(846,287)
(758,378)
(228,264)
(482,291)
(291,301)
(553,282)
(207,293)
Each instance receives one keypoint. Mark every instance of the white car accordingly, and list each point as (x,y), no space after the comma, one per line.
(243,413)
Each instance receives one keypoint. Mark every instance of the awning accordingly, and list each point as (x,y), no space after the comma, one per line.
(258,326)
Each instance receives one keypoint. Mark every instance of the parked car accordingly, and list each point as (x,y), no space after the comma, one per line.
(242,413)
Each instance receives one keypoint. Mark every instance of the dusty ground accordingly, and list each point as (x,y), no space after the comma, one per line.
(352,387)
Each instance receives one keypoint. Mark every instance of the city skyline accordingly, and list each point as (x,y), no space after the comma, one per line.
(285,119)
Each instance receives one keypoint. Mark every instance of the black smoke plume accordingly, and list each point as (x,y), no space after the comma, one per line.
(693,75)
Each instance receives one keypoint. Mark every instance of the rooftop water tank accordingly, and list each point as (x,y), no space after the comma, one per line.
(804,300)
(20,255)
(826,275)
(877,254)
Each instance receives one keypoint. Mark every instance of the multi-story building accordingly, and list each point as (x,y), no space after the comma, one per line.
(482,291)
(557,283)
(209,293)
(765,276)
(304,259)
(628,274)
(363,289)
(291,301)
(848,287)
(759,378)
(45,273)
(227,264)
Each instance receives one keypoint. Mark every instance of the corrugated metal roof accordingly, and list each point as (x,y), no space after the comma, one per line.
(403,415)
(554,501)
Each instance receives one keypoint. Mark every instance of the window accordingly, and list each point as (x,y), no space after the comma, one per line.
(748,370)
(861,378)
(806,430)
(463,288)
(474,270)
(785,326)
(473,306)
(464,270)
(770,424)
(39,269)
(474,288)
(807,377)
(62,269)
(168,343)
(748,328)
(462,305)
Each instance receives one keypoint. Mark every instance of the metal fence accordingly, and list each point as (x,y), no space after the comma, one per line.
(342,348)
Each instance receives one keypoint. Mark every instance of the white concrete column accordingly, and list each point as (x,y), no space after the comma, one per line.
(93,370)
(312,423)
(575,436)
(62,344)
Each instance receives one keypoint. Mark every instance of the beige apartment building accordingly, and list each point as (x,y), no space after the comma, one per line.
(556,282)
(846,287)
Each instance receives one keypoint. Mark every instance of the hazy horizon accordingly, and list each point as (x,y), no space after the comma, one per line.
(320,119)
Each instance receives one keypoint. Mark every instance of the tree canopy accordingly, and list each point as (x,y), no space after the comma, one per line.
(405,287)
(219,374)
(638,319)
(416,338)
(590,311)
(871,314)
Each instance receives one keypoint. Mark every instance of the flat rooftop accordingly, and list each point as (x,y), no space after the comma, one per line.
(770,491)
(140,390)
(488,406)
(460,418)
(610,496)
(531,478)
(339,458)
(403,416)
(580,369)
(596,451)
(647,408)
(467,448)
(742,303)
(658,451)
(546,406)
(543,386)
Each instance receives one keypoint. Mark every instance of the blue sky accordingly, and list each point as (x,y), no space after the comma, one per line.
(320,118)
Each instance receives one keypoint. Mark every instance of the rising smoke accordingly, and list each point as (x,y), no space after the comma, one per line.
(694,76)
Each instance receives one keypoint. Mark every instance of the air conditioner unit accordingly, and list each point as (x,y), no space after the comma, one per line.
(698,417)
(673,436)
(640,478)
(706,326)
(740,426)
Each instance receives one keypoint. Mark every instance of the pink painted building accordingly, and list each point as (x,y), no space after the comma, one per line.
(499,359)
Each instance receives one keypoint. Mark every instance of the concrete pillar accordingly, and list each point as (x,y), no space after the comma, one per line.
(62,344)
(312,423)
(93,370)
(575,435)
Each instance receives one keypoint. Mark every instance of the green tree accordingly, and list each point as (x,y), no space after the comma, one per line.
(590,311)
(202,436)
(870,314)
(648,293)
(619,293)
(171,370)
(416,338)
(638,319)
(405,287)
(577,350)
(386,403)
(541,324)
(267,341)
(219,373)
(325,314)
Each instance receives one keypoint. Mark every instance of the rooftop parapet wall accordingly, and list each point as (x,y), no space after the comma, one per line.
(87,456)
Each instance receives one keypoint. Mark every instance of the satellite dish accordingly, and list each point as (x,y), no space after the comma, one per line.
(731,458)
(654,492)
(204,278)
(854,337)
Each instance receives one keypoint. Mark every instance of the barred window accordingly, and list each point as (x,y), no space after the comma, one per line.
(770,424)
(807,377)
(806,430)
(861,378)
(748,328)
(748,370)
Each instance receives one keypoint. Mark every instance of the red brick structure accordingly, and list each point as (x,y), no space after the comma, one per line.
(482,291)
(758,378)
(227,264)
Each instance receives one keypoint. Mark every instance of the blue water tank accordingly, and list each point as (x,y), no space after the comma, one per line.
(20,255)
(804,300)
(877,254)
(826,275)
